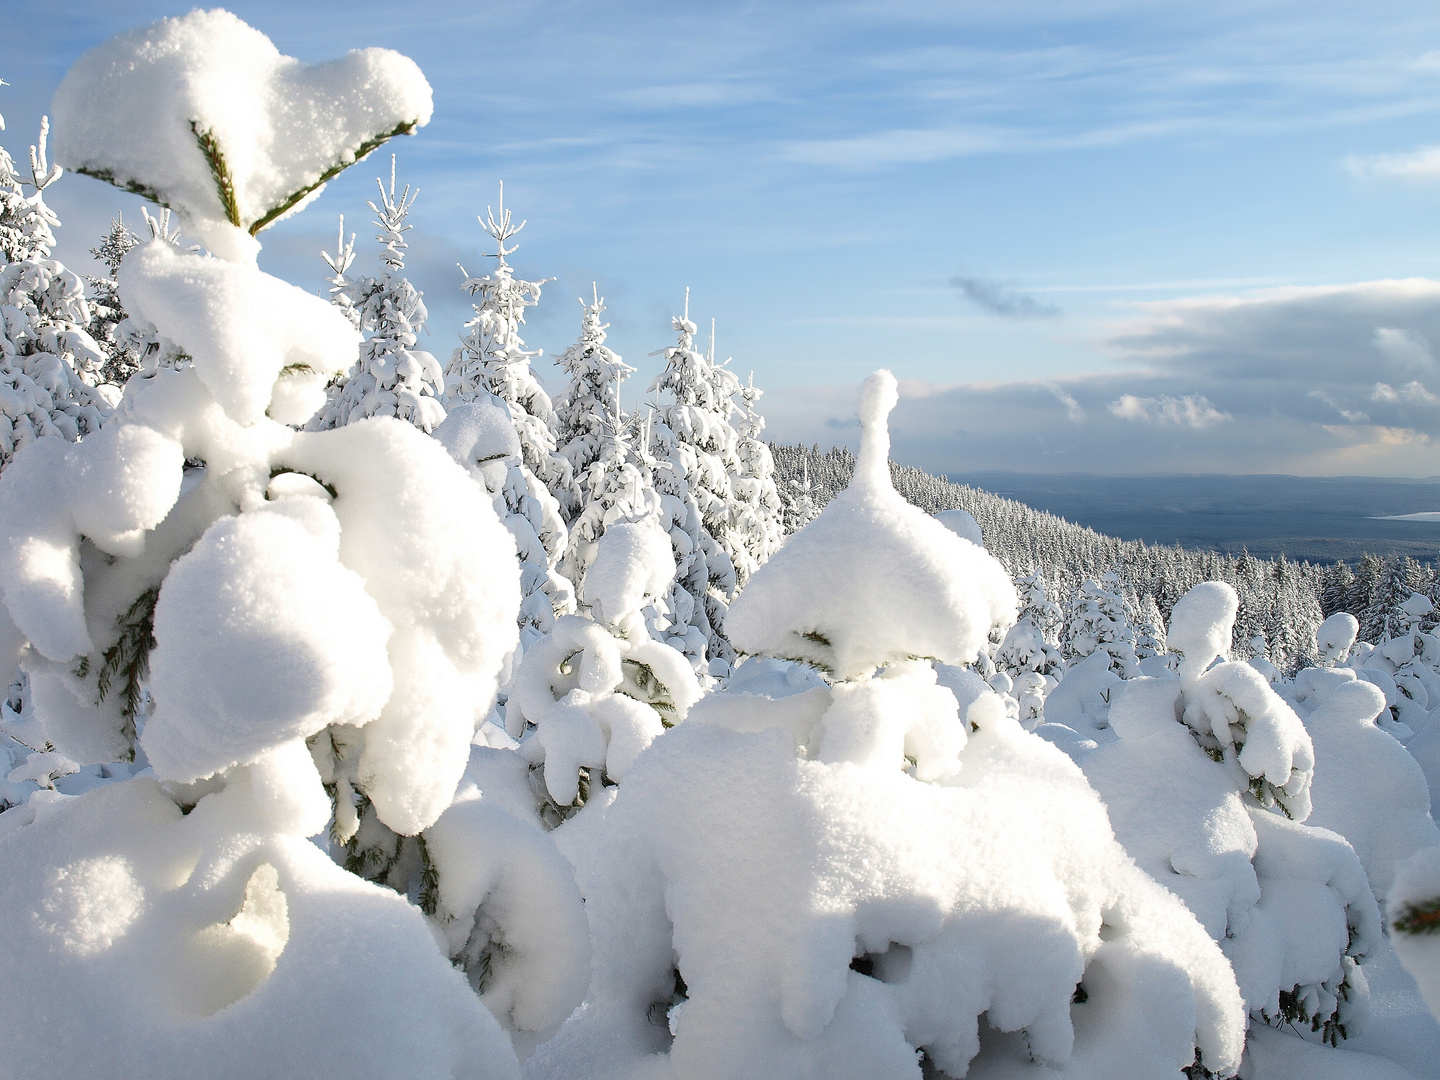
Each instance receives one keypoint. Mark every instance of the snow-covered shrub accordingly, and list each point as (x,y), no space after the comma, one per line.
(249,143)
(1366,787)
(262,613)
(1030,653)
(392,377)
(1099,623)
(1207,785)
(826,882)
(107,314)
(596,691)
(1414,908)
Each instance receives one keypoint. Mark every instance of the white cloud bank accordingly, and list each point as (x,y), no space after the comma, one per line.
(1332,380)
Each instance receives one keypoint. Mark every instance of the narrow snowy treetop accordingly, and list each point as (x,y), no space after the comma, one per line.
(203,114)
(873,579)
(878,397)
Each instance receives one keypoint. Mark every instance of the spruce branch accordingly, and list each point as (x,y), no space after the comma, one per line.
(1421,918)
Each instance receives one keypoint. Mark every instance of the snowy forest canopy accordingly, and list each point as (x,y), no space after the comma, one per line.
(373,714)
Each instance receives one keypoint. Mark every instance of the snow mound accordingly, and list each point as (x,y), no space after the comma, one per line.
(143,942)
(963,524)
(211,309)
(914,587)
(758,914)
(1367,787)
(203,114)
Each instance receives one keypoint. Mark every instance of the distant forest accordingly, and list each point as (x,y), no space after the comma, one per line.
(1281,602)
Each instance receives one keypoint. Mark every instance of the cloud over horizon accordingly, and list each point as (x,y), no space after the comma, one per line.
(1324,380)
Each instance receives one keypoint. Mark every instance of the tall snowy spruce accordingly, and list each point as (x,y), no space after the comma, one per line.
(392,376)
(492,368)
(589,408)
(756,508)
(263,614)
(841,879)
(694,446)
(50,366)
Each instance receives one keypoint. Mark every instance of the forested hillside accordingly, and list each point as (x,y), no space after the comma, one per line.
(1280,601)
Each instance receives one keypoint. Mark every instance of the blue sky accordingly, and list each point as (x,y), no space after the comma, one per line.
(1112,237)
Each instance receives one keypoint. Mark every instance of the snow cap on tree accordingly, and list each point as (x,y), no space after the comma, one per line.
(1335,637)
(1200,626)
(202,113)
(923,591)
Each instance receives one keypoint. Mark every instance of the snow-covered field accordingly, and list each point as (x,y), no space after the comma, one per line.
(373,716)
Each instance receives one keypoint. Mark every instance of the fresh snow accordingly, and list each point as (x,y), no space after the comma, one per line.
(364,719)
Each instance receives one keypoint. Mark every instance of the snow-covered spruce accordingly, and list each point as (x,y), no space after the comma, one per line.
(492,367)
(1207,786)
(280,588)
(620,488)
(107,314)
(1030,653)
(694,446)
(823,883)
(49,364)
(588,411)
(1098,623)
(392,377)
(756,510)
(597,691)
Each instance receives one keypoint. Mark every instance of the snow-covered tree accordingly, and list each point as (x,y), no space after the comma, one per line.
(797,496)
(265,594)
(1099,623)
(1207,787)
(49,363)
(492,366)
(589,407)
(953,865)
(106,312)
(756,510)
(492,359)
(619,486)
(694,445)
(392,377)
(480,436)
(597,691)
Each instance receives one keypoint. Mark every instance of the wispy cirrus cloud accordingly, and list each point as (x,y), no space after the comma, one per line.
(996,298)
(1422,163)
